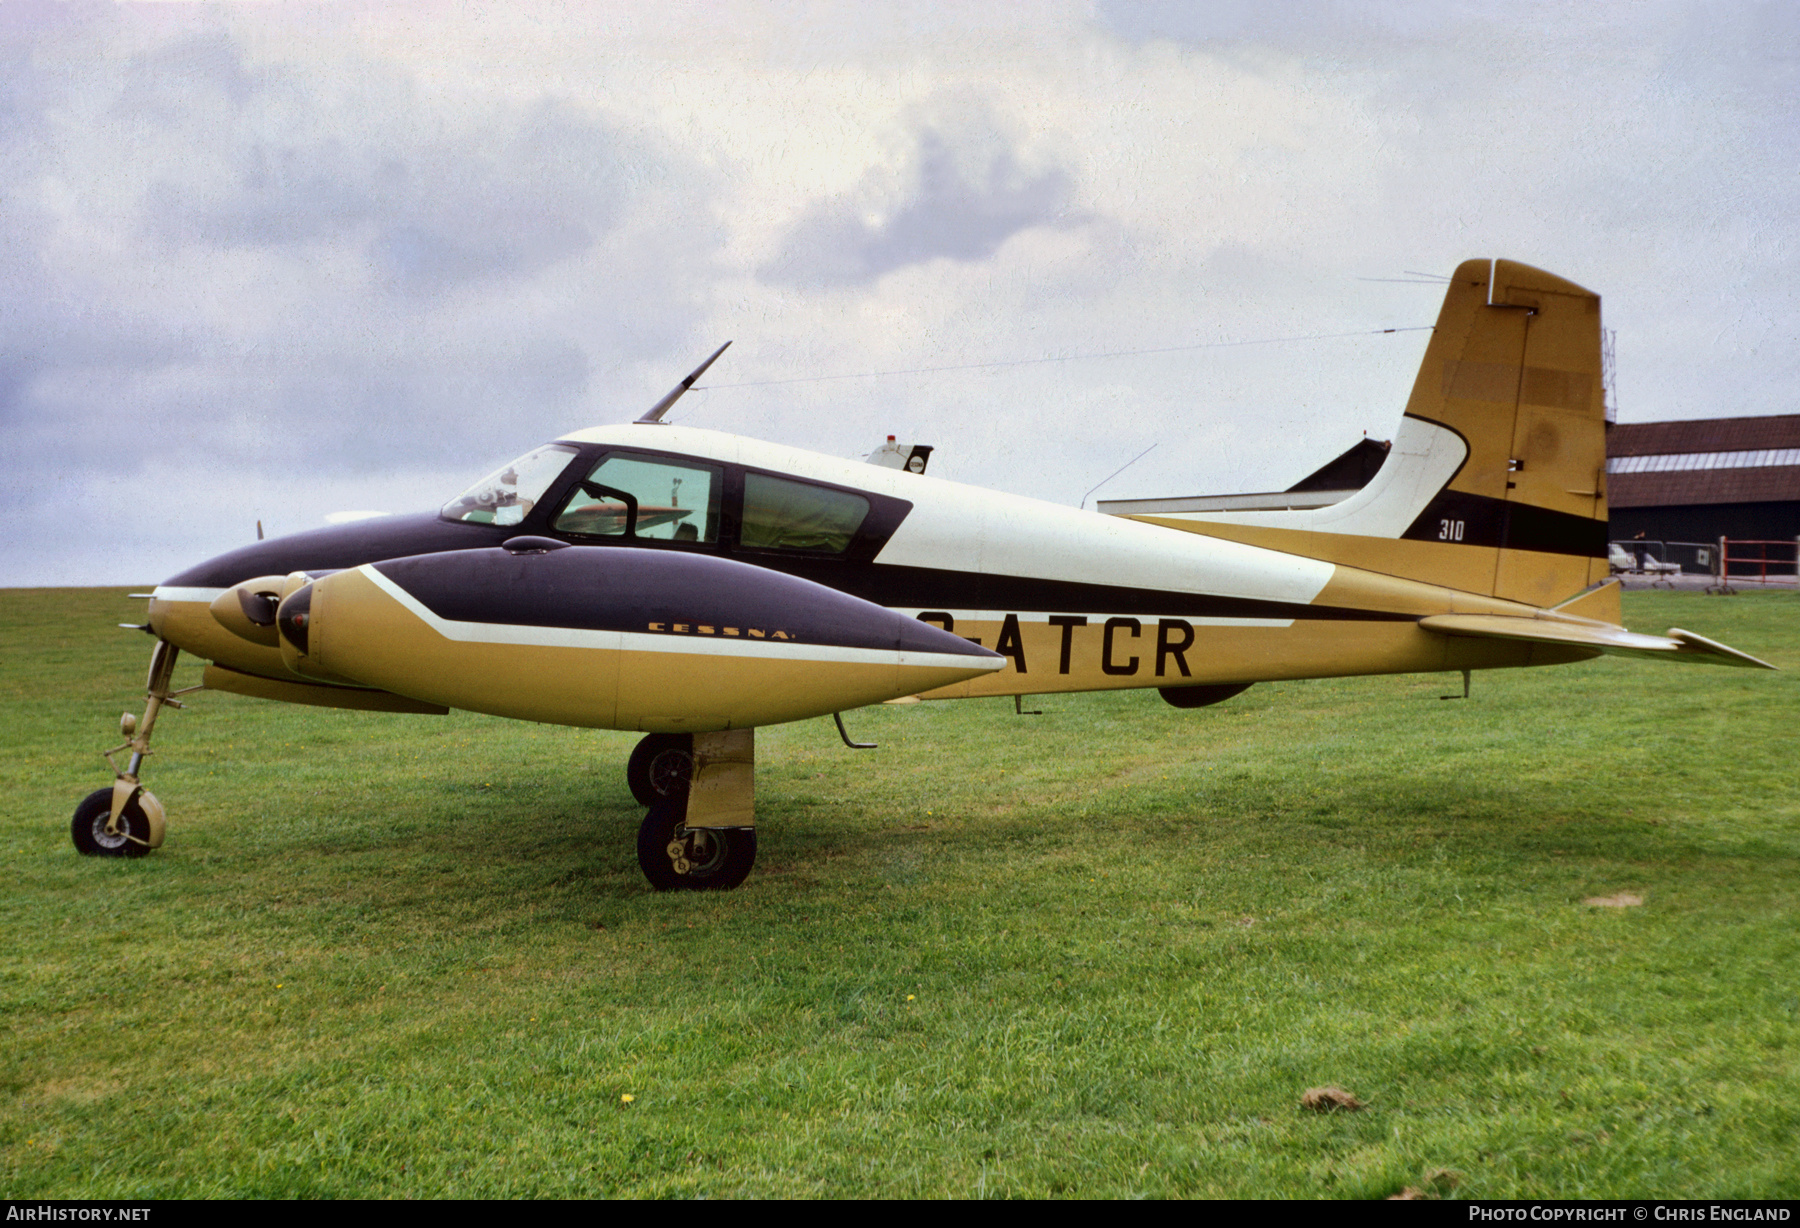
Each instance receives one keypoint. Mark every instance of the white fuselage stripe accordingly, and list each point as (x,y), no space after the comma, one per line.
(206,596)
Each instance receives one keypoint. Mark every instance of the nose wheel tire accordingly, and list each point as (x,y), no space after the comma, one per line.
(675,857)
(660,766)
(88,827)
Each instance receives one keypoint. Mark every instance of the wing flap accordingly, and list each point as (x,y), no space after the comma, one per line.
(1678,645)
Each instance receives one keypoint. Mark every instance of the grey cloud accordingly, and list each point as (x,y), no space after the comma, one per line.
(432,411)
(951,211)
(229,270)
(16,374)
(1317,24)
(429,212)
(166,83)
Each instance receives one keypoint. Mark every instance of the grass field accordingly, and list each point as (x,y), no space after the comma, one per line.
(1099,952)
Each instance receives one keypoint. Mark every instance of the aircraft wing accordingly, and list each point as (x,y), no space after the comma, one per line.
(1678,645)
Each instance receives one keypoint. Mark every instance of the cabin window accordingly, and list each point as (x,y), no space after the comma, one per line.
(784,515)
(507,495)
(668,500)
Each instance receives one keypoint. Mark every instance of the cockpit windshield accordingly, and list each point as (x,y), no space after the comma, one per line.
(507,495)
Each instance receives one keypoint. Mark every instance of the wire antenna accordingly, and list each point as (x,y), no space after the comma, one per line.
(1116,472)
(1027,362)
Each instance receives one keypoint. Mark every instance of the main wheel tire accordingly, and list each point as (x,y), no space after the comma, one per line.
(660,766)
(710,858)
(88,827)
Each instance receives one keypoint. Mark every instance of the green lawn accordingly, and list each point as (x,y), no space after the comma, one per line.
(1096,952)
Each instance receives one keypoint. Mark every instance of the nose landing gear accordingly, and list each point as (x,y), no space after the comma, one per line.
(131,831)
(126,820)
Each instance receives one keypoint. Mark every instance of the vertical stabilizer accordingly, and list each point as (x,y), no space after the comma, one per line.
(1496,480)
(1514,368)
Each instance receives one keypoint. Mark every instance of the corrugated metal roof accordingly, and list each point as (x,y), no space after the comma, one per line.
(1704,435)
(1771,484)
(1663,462)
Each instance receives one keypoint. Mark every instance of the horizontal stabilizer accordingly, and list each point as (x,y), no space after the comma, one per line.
(1678,645)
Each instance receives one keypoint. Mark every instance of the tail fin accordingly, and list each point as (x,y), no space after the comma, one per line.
(1514,368)
(1496,480)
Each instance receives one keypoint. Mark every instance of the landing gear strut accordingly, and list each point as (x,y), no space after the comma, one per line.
(700,833)
(127,820)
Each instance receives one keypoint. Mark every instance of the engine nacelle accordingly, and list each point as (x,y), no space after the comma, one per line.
(248,610)
(613,638)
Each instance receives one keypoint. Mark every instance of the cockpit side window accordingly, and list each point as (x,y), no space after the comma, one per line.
(784,515)
(507,495)
(646,498)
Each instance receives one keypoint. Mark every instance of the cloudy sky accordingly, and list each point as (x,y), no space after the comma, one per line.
(278,261)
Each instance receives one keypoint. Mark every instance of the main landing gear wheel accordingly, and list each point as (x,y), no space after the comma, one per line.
(675,857)
(88,827)
(660,766)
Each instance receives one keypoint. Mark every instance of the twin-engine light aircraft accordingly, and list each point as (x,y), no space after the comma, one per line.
(694,585)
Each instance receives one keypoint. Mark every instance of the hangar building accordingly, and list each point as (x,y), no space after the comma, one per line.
(1702,480)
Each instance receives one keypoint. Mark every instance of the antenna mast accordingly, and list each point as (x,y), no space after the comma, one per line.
(656,411)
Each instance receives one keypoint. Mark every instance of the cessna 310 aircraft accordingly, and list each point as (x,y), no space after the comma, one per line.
(695,585)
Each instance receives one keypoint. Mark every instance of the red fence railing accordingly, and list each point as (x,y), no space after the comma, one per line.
(1744,559)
